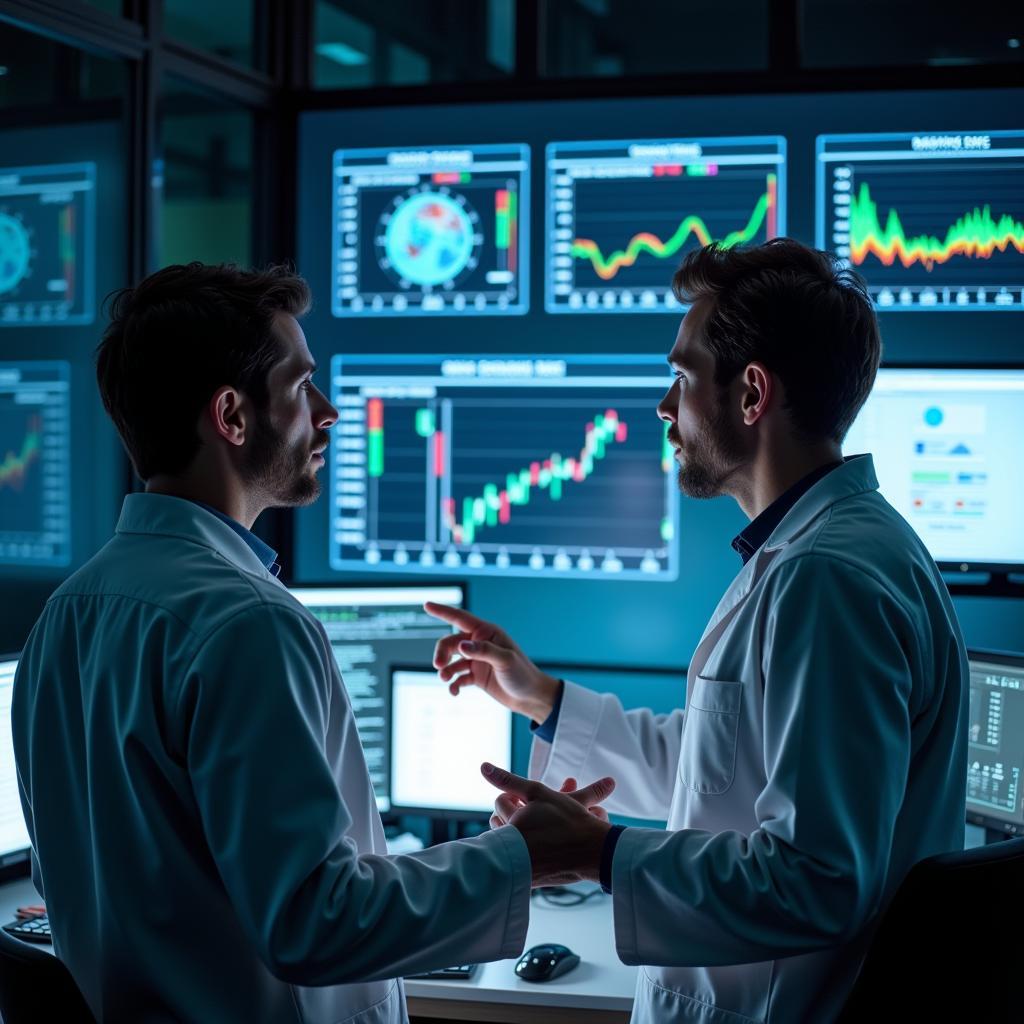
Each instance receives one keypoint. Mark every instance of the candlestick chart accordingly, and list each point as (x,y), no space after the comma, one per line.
(447,466)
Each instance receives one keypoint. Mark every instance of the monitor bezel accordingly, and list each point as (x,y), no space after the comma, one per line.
(434,813)
(1013,659)
(378,584)
(15,863)
(954,568)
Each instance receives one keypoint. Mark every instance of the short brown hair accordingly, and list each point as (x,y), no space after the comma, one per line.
(177,337)
(800,312)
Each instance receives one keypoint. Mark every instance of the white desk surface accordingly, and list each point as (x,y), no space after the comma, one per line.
(599,982)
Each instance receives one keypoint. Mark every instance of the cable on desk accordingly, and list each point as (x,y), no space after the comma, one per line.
(563,896)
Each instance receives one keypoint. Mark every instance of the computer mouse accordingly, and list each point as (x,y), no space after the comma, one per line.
(545,963)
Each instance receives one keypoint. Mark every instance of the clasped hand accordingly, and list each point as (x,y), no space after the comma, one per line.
(564,830)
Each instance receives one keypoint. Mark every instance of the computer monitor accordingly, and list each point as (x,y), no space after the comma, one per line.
(995,760)
(946,450)
(582,483)
(14,841)
(438,743)
(902,208)
(372,629)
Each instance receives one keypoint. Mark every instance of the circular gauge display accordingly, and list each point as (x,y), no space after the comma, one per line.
(429,239)
(15,251)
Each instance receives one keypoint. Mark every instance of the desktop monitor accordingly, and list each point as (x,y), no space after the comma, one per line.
(372,629)
(14,841)
(438,743)
(995,759)
(946,451)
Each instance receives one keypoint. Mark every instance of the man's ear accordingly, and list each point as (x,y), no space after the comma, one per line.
(758,392)
(227,415)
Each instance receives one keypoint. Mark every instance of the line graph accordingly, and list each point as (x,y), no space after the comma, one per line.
(15,464)
(974,234)
(607,267)
(619,212)
(35,478)
(509,465)
(933,222)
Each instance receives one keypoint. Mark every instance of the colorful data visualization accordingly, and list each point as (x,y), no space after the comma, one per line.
(439,230)
(620,215)
(932,221)
(515,465)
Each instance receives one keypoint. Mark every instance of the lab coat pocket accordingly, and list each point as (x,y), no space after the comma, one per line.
(707,756)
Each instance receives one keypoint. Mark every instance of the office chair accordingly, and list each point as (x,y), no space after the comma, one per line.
(35,986)
(951,944)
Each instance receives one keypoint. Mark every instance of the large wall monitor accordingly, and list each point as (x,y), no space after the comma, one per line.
(14,840)
(47,245)
(35,464)
(946,446)
(620,215)
(438,743)
(431,230)
(995,759)
(502,464)
(372,629)
(932,220)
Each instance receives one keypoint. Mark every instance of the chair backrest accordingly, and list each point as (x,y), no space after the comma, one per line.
(35,986)
(951,944)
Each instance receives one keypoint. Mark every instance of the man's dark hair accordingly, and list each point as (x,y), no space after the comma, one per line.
(177,337)
(798,311)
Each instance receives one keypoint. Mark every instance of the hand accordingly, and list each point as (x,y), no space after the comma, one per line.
(482,654)
(507,804)
(563,834)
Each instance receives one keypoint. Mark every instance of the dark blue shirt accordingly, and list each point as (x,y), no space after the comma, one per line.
(759,529)
(745,544)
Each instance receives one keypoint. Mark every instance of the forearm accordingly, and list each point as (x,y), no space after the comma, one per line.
(596,736)
(380,917)
(728,898)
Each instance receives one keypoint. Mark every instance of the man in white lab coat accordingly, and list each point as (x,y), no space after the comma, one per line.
(206,835)
(822,749)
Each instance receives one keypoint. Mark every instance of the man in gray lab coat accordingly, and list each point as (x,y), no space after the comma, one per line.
(205,832)
(821,747)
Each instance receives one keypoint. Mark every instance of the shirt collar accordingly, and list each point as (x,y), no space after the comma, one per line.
(264,552)
(748,540)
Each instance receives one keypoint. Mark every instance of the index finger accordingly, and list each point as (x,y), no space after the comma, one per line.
(457,617)
(510,783)
(594,793)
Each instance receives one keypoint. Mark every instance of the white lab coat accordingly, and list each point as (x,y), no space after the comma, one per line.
(208,842)
(822,752)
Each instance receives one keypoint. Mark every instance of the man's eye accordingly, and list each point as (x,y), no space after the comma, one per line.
(307,384)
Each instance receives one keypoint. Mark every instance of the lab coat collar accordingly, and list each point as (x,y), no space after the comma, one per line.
(164,515)
(855,476)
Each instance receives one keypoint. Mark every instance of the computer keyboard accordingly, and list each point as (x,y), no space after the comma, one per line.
(446,973)
(30,929)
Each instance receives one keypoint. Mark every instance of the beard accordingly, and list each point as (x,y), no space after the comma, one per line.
(281,470)
(711,458)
